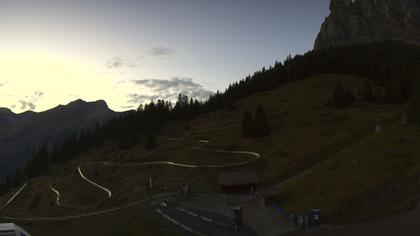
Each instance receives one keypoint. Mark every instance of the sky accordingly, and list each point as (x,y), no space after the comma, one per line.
(128,52)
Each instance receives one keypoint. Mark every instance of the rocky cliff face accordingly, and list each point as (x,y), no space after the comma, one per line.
(361,21)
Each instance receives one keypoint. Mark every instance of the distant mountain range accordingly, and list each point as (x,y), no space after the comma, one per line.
(21,134)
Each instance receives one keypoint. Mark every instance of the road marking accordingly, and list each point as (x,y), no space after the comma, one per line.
(187,211)
(178,223)
(201,217)
(206,219)
(220,224)
(95,184)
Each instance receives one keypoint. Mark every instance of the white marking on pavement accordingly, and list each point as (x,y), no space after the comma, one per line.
(206,219)
(187,211)
(201,217)
(178,223)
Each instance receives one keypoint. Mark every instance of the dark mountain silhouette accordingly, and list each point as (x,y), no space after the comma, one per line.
(21,134)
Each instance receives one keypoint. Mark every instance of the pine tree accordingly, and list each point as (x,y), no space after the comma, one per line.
(3,189)
(415,102)
(18,177)
(261,126)
(247,124)
(43,159)
(123,140)
(150,141)
(367,92)
(349,95)
(379,97)
(339,98)
(9,182)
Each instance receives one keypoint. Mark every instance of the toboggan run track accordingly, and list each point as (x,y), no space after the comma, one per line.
(109,192)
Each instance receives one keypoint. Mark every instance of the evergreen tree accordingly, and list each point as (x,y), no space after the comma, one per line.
(150,141)
(3,189)
(43,159)
(339,98)
(124,139)
(261,126)
(349,95)
(367,92)
(378,96)
(18,177)
(415,102)
(9,182)
(247,124)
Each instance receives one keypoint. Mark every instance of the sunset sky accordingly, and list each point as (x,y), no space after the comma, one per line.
(130,51)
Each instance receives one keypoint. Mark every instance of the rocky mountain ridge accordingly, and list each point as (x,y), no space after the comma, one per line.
(21,134)
(362,21)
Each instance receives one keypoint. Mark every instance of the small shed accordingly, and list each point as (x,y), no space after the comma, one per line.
(237,182)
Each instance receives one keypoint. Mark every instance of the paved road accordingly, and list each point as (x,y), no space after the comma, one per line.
(201,223)
(404,224)
(266,221)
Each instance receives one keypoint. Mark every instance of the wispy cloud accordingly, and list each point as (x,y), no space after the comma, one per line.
(140,56)
(27,105)
(115,63)
(135,98)
(168,89)
(161,52)
(29,102)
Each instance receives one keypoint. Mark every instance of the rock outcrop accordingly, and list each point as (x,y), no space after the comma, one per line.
(361,21)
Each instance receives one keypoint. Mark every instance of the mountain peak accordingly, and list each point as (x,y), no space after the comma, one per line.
(7,111)
(80,102)
(362,21)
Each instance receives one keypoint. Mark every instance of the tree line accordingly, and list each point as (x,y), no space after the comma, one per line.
(257,127)
(389,64)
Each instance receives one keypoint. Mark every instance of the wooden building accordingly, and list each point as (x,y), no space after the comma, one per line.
(237,182)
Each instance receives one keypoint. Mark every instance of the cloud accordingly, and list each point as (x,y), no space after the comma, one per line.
(26,105)
(118,63)
(138,99)
(29,102)
(141,55)
(115,63)
(39,94)
(168,90)
(161,52)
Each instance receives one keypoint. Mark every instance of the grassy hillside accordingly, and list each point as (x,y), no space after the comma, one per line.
(349,161)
